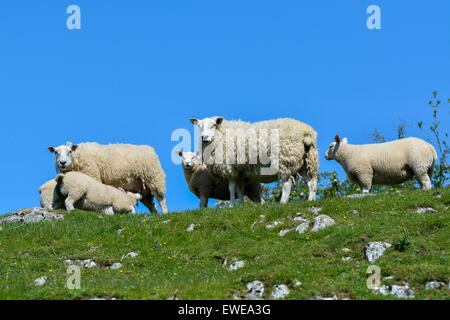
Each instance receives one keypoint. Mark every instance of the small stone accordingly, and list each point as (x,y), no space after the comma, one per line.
(131,255)
(40,281)
(324,298)
(115,266)
(236,265)
(156,244)
(439,196)
(255,290)
(388,278)
(425,210)
(355,211)
(274,224)
(282,233)
(236,297)
(279,291)
(120,231)
(32,215)
(374,250)
(297,283)
(191,228)
(359,195)
(434,285)
(165,221)
(322,222)
(89,264)
(346,258)
(315,210)
(68,261)
(346,250)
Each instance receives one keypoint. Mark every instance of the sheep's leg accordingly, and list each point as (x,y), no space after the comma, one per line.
(287,186)
(425,181)
(203,202)
(69,204)
(232,189)
(312,187)
(162,203)
(109,211)
(240,191)
(147,200)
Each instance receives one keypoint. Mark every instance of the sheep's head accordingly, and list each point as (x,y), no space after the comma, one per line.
(207,127)
(134,198)
(63,155)
(188,159)
(330,154)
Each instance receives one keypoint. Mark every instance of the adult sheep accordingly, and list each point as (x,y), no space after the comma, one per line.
(388,163)
(237,150)
(205,186)
(134,168)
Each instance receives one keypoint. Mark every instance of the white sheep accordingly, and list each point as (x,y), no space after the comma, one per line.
(134,168)
(83,192)
(387,163)
(292,146)
(205,186)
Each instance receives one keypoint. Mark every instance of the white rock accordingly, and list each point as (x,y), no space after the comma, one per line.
(115,265)
(120,231)
(302,227)
(165,221)
(384,290)
(434,285)
(274,224)
(359,195)
(279,291)
(324,298)
(425,210)
(315,210)
(282,233)
(89,264)
(402,291)
(255,290)
(131,255)
(297,283)
(322,222)
(236,265)
(346,258)
(355,211)
(374,250)
(68,261)
(191,228)
(31,215)
(40,281)
(346,250)
(388,278)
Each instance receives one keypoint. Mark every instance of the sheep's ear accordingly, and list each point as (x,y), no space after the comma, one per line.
(337,139)
(344,141)
(218,120)
(51,149)
(194,121)
(74,147)
(197,153)
(179,153)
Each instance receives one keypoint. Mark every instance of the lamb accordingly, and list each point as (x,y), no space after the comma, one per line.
(134,168)
(81,191)
(202,183)
(50,196)
(388,163)
(292,146)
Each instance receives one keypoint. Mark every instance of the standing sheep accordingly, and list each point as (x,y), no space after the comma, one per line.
(389,163)
(134,168)
(292,146)
(86,193)
(202,183)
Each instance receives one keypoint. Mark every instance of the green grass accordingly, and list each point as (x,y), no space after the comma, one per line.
(192,262)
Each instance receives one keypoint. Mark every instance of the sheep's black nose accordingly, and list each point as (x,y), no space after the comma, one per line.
(62,162)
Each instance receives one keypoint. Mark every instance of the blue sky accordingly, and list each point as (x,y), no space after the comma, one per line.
(137,70)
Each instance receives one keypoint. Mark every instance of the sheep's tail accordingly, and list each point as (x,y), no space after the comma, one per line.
(311,155)
(59,178)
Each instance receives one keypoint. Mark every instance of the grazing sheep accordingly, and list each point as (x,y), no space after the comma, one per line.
(389,163)
(292,146)
(50,195)
(202,183)
(134,168)
(83,192)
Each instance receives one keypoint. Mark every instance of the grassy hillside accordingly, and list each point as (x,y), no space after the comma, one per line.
(191,262)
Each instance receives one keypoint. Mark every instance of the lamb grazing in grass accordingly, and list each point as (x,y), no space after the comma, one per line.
(50,196)
(134,168)
(389,163)
(83,192)
(291,144)
(202,183)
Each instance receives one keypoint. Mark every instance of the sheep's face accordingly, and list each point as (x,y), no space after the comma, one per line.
(207,127)
(330,154)
(188,159)
(63,155)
